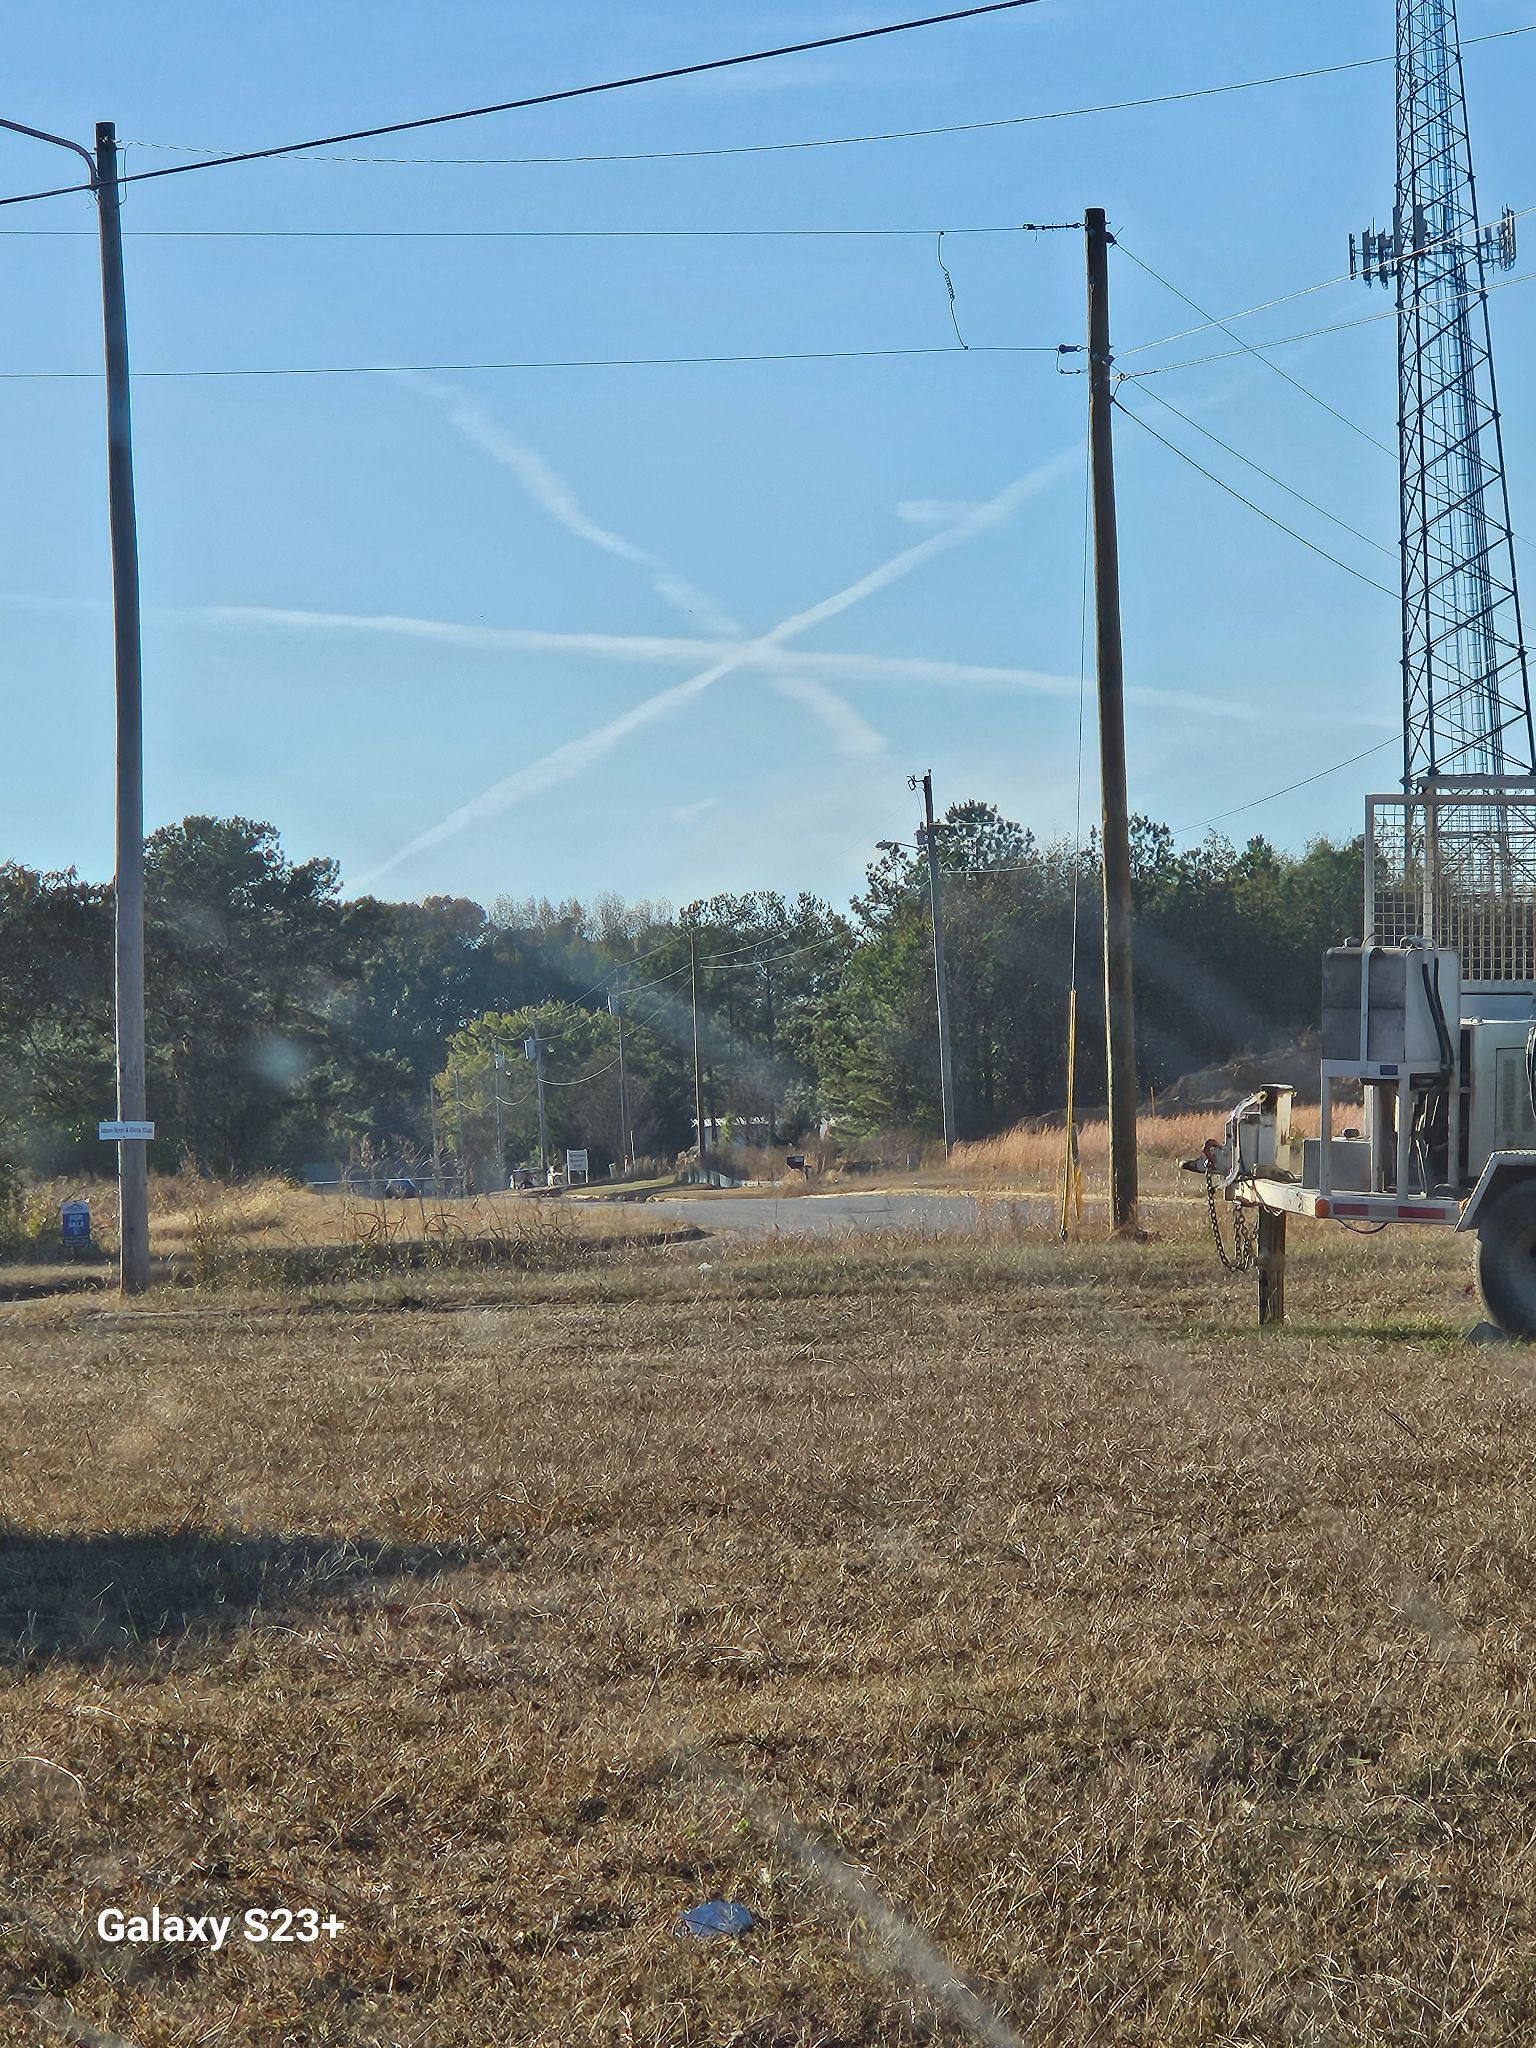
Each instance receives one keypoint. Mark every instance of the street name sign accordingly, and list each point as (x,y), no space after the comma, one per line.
(119,1133)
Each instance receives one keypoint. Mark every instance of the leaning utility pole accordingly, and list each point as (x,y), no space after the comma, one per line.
(940,979)
(698,1070)
(1119,994)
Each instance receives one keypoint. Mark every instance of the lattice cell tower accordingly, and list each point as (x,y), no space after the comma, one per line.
(1466,692)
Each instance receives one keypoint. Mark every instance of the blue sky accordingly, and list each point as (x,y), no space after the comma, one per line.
(422,621)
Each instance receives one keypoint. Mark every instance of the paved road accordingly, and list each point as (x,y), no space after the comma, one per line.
(836,1215)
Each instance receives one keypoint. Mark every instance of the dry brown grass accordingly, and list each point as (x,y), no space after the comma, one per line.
(1027,1152)
(1038,1651)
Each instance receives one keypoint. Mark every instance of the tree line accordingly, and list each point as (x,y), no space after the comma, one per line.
(288,1024)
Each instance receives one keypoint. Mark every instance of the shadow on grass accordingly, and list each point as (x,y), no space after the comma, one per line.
(1387,1330)
(556,1249)
(141,1598)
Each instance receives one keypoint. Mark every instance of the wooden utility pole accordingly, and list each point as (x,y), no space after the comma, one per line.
(128,892)
(940,979)
(626,1134)
(698,1070)
(533,1049)
(458,1112)
(498,1067)
(1119,992)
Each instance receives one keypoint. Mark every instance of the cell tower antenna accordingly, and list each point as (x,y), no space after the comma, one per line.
(1466,690)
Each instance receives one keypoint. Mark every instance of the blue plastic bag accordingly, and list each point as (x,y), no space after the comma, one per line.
(717,1916)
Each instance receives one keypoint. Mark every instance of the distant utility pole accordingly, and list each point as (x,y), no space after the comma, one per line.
(940,979)
(458,1113)
(626,1135)
(128,892)
(533,1049)
(1119,992)
(498,1068)
(698,1070)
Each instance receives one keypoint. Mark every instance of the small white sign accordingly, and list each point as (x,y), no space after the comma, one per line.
(116,1133)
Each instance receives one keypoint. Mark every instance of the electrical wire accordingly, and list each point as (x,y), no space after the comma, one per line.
(1270,477)
(1310,334)
(1255,349)
(646,156)
(548,99)
(582,1079)
(1220,483)
(1257,352)
(1209,320)
(1182,831)
(821,355)
(531,235)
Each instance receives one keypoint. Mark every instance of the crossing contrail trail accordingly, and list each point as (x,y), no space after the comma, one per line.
(800,666)
(550,491)
(576,756)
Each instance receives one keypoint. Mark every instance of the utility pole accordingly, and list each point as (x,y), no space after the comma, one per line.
(698,1070)
(128,891)
(458,1113)
(498,1068)
(940,979)
(626,1135)
(533,1049)
(1119,992)
(128,977)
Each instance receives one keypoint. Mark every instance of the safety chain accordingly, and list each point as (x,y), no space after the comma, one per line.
(1240,1258)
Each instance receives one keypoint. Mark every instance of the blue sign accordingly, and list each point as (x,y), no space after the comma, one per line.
(75,1223)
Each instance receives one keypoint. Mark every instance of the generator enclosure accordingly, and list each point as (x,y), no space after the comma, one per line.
(1497,1086)
(1394,1006)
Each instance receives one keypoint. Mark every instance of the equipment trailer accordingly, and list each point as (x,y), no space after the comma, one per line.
(1431,1023)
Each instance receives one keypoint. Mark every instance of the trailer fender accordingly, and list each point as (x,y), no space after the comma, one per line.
(1503,1170)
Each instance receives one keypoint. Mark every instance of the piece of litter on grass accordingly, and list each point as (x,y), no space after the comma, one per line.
(717,1916)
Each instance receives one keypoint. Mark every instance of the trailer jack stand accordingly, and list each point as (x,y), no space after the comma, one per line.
(1269,1266)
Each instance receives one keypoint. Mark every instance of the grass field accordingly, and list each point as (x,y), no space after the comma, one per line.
(1041,1653)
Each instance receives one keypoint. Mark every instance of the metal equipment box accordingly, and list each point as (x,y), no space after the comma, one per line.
(1500,1118)
(1349,1161)
(1390,1005)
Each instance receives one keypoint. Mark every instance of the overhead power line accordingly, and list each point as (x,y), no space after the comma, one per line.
(1381,746)
(1221,484)
(824,355)
(549,99)
(525,234)
(1255,349)
(645,156)
(1269,476)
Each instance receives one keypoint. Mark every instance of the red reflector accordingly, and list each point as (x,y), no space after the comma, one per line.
(1410,1215)
(1351,1209)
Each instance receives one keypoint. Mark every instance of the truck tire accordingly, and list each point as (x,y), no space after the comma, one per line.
(1506,1259)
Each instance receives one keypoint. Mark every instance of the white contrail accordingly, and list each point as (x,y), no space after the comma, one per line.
(852,735)
(579,754)
(554,496)
(799,665)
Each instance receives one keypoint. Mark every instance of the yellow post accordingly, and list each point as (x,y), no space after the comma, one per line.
(1071,1173)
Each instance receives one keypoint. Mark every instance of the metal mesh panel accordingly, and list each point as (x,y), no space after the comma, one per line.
(1460,871)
